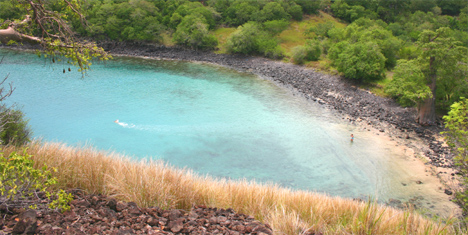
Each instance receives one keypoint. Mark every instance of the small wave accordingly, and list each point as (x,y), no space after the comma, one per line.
(183,129)
(126,125)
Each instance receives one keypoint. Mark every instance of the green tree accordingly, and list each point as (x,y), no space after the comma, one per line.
(242,11)
(196,8)
(408,85)
(20,183)
(252,39)
(311,51)
(443,58)
(442,61)
(350,13)
(14,129)
(193,32)
(309,6)
(320,30)
(51,29)
(451,7)
(456,123)
(422,5)
(273,11)
(244,39)
(361,61)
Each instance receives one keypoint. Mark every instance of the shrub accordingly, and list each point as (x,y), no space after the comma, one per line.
(244,39)
(251,39)
(273,11)
(193,32)
(14,128)
(299,54)
(313,50)
(21,183)
(275,26)
(361,61)
(457,137)
(310,52)
(270,48)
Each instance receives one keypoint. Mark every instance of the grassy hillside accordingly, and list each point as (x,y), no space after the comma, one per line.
(294,35)
(154,183)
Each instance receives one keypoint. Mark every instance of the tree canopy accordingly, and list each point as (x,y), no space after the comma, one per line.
(442,60)
(370,31)
(44,25)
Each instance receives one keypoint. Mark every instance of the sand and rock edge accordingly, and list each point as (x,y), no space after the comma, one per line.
(360,107)
(333,92)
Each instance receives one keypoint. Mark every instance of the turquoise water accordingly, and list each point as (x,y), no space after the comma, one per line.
(210,119)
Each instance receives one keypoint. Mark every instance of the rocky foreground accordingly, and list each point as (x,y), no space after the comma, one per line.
(97,214)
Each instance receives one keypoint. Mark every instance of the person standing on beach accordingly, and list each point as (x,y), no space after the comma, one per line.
(352,137)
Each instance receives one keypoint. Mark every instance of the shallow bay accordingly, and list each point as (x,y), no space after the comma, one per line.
(210,119)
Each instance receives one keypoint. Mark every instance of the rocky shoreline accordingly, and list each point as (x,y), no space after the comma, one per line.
(358,106)
(333,92)
(354,104)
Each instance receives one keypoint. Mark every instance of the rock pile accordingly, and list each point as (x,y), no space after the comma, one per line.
(97,214)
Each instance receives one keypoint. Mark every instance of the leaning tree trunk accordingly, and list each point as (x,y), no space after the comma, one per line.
(10,34)
(426,109)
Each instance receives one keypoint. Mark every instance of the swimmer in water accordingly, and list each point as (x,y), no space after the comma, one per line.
(116,121)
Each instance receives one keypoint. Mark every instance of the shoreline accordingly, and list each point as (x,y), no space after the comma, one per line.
(381,116)
(359,107)
(356,105)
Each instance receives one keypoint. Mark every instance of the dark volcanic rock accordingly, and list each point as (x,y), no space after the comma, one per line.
(99,217)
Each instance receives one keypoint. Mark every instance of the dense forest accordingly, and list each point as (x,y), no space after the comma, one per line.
(424,38)
(412,50)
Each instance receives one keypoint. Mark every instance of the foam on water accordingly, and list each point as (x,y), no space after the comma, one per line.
(213,120)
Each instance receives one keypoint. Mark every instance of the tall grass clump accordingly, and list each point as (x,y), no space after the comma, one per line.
(154,183)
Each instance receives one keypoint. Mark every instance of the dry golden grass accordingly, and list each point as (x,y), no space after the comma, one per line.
(154,183)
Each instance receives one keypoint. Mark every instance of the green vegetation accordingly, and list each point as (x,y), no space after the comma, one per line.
(352,35)
(310,52)
(442,60)
(14,129)
(456,123)
(193,32)
(21,183)
(252,39)
(48,25)
(422,42)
